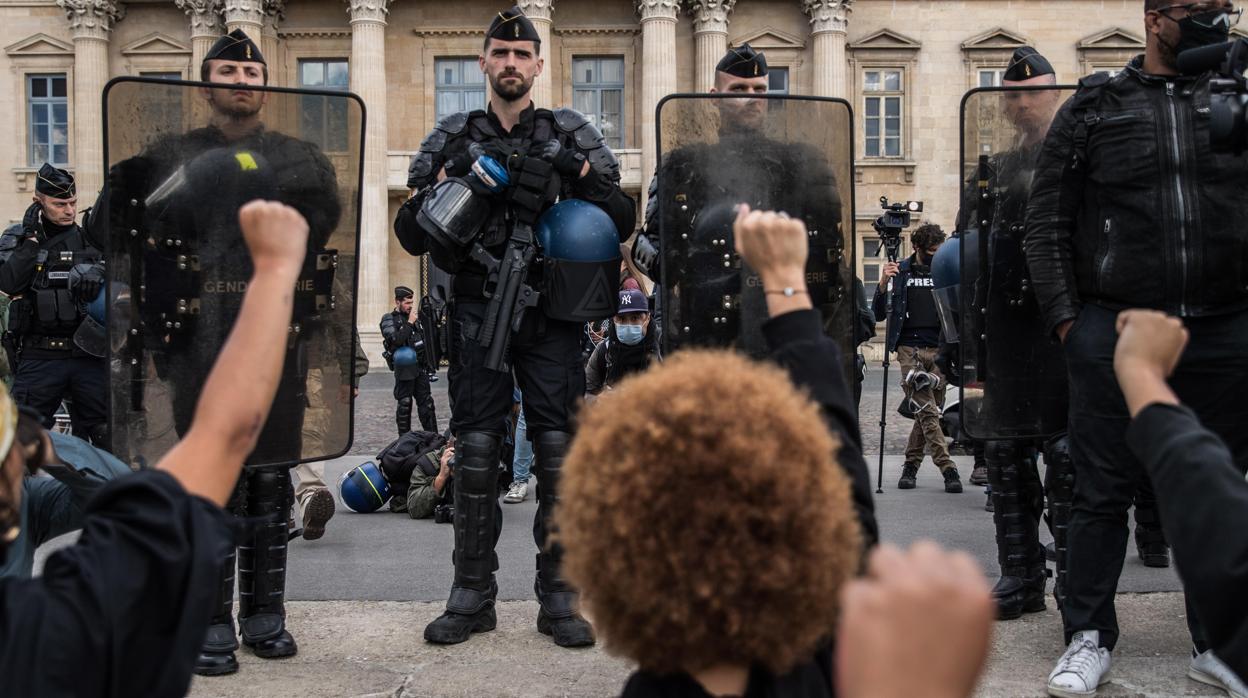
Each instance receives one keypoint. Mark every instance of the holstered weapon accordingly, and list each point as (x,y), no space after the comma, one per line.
(509,296)
(983,214)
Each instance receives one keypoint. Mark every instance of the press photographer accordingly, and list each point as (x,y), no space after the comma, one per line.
(1128,209)
(904,298)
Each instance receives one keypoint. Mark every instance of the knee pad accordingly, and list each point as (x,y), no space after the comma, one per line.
(476,461)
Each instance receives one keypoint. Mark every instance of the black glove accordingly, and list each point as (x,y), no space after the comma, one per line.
(85,281)
(645,255)
(32,222)
(567,162)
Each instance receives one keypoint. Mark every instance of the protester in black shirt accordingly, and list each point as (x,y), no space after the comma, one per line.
(1189,463)
(914,333)
(124,610)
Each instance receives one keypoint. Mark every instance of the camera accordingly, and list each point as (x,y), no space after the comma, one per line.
(444,513)
(1228,92)
(896,218)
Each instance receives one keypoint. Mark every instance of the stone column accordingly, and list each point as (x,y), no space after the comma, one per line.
(368,80)
(274,12)
(205,16)
(541,12)
(247,15)
(829,23)
(90,22)
(658,74)
(710,36)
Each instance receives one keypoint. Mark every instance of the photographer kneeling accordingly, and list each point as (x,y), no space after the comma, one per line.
(123,612)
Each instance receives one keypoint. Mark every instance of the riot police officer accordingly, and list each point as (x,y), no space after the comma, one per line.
(183,191)
(480,182)
(51,271)
(400,329)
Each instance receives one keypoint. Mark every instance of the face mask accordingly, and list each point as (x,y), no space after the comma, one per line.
(630,334)
(1205,29)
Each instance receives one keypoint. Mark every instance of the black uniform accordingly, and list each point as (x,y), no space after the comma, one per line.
(38,260)
(411,383)
(545,354)
(301,176)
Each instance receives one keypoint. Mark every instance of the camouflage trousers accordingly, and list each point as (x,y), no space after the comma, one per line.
(926,435)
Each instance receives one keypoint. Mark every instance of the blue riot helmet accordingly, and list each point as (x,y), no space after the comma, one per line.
(947,280)
(581,261)
(405,357)
(95,308)
(454,212)
(364,489)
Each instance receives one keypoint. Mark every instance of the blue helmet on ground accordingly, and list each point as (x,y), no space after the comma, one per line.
(581,250)
(363,488)
(405,357)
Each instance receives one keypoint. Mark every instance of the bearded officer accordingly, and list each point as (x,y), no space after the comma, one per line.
(51,271)
(190,171)
(545,154)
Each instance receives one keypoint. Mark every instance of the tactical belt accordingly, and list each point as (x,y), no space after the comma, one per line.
(48,343)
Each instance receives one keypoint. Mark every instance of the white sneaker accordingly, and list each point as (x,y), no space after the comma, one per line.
(518,492)
(1208,669)
(1083,668)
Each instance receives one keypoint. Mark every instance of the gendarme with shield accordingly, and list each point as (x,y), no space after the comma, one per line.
(529,272)
(1134,206)
(740,146)
(178,269)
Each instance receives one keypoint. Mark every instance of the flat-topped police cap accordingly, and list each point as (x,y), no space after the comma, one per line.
(401,292)
(743,62)
(1025,64)
(54,182)
(512,25)
(235,46)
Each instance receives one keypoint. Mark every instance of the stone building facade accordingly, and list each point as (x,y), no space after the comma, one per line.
(905,62)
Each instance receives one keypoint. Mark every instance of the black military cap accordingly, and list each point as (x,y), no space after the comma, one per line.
(1027,63)
(743,62)
(401,292)
(235,46)
(54,182)
(512,25)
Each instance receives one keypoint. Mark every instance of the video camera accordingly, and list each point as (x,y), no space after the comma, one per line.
(1228,98)
(896,218)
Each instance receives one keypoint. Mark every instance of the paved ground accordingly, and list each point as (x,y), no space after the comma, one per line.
(362,595)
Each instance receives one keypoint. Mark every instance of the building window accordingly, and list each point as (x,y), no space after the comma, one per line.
(778,81)
(991,77)
(460,86)
(1111,72)
(48,120)
(871,260)
(323,120)
(882,90)
(164,112)
(598,93)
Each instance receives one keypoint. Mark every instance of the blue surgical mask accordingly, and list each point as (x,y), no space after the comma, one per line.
(630,334)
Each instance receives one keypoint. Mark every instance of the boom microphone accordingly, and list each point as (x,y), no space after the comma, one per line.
(1195,61)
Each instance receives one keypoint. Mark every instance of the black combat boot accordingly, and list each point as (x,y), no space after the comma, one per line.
(262,565)
(953,481)
(470,608)
(908,473)
(1017,505)
(559,615)
(1018,592)
(216,657)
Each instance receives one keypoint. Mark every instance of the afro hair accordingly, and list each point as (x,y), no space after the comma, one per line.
(705,519)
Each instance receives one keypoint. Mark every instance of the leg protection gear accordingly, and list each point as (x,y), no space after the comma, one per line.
(403,415)
(424,403)
(470,608)
(262,564)
(1060,485)
(216,657)
(559,615)
(1017,506)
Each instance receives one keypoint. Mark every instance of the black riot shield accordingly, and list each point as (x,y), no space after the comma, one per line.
(1013,373)
(182,160)
(773,152)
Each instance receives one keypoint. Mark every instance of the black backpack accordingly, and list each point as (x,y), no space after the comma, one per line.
(415,449)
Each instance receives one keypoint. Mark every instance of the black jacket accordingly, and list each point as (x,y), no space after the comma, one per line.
(879,304)
(397,332)
(612,359)
(1203,501)
(1131,208)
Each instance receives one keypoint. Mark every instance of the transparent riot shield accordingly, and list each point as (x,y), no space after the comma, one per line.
(1013,373)
(773,152)
(182,159)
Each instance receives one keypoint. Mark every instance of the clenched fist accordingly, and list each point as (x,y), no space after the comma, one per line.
(276,236)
